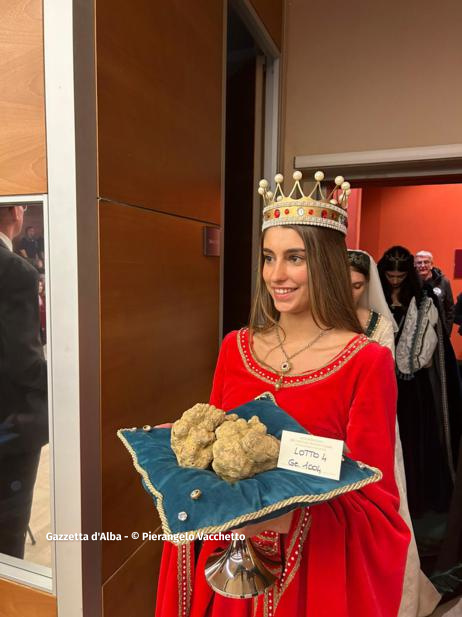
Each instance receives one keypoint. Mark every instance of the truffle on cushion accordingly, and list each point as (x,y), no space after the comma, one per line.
(192,502)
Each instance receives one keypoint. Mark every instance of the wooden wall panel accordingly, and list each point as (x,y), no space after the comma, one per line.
(271,12)
(22,124)
(159,71)
(159,329)
(20,601)
(131,592)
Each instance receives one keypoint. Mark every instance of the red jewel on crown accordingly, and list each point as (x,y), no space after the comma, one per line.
(318,203)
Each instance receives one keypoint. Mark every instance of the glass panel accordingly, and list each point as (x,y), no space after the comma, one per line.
(24,449)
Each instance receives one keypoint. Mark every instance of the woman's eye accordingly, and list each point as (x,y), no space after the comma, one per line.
(267,258)
(295,258)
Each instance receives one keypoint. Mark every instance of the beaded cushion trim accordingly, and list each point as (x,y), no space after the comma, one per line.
(252,365)
(273,492)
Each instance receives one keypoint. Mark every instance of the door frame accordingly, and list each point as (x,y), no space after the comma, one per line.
(70,107)
(416,165)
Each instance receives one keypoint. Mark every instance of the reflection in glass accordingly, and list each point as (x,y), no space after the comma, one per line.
(24,477)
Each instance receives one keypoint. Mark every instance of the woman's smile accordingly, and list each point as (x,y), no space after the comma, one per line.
(281,293)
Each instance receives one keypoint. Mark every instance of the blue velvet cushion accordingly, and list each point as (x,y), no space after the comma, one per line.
(224,506)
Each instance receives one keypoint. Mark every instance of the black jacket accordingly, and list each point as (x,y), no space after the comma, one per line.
(442,288)
(23,370)
(458,312)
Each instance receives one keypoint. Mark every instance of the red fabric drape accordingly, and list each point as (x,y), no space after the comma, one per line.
(344,558)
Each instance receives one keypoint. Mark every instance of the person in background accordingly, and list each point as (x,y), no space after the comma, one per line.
(42,309)
(441,286)
(29,248)
(41,248)
(372,309)
(419,595)
(23,386)
(28,245)
(430,423)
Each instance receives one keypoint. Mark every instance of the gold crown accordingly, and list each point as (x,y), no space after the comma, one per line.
(318,208)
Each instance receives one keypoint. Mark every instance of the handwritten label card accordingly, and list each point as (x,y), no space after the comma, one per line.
(317,456)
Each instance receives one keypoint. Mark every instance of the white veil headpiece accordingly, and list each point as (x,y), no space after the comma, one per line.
(373,298)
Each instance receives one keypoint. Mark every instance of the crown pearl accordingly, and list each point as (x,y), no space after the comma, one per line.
(297,175)
(339,180)
(345,186)
(270,194)
(278,178)
(264,184)
(334,202)
(348,191)
(261,190)
(279,198)
(319,176)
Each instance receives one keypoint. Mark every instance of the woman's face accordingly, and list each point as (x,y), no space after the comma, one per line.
(285,271)
(395,278)
(358,285)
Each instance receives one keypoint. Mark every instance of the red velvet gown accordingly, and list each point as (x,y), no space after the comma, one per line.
(343,558)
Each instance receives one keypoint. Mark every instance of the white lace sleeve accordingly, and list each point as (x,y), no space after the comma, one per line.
(384,334)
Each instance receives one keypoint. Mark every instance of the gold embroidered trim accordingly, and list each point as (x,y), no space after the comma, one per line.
(325,371)
(296,534)
(145,476)
(377,323)
(278,593)
(266,544)
(188,578)
(272,596)
(179,575)
(369,319)
(244,518)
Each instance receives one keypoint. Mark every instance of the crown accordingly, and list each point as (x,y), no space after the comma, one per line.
(318,208)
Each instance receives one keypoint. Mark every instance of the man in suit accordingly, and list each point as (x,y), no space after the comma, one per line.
(23,386)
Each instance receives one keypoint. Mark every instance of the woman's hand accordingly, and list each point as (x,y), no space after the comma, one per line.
(281,524)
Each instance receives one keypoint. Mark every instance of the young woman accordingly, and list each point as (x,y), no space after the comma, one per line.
(305,344)
(371,307)
(430,422)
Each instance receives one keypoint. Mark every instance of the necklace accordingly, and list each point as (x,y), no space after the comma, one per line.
(286,366)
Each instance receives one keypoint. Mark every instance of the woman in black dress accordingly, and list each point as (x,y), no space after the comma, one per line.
(429,413)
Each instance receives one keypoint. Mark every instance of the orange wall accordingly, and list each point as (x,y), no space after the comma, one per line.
(420,218)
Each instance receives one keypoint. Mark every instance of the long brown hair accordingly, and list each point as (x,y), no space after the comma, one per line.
(329,283)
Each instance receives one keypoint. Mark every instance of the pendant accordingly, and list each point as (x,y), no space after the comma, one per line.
(278,384)
(286,366)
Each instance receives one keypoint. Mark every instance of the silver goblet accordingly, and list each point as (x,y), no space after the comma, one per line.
(239,571)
